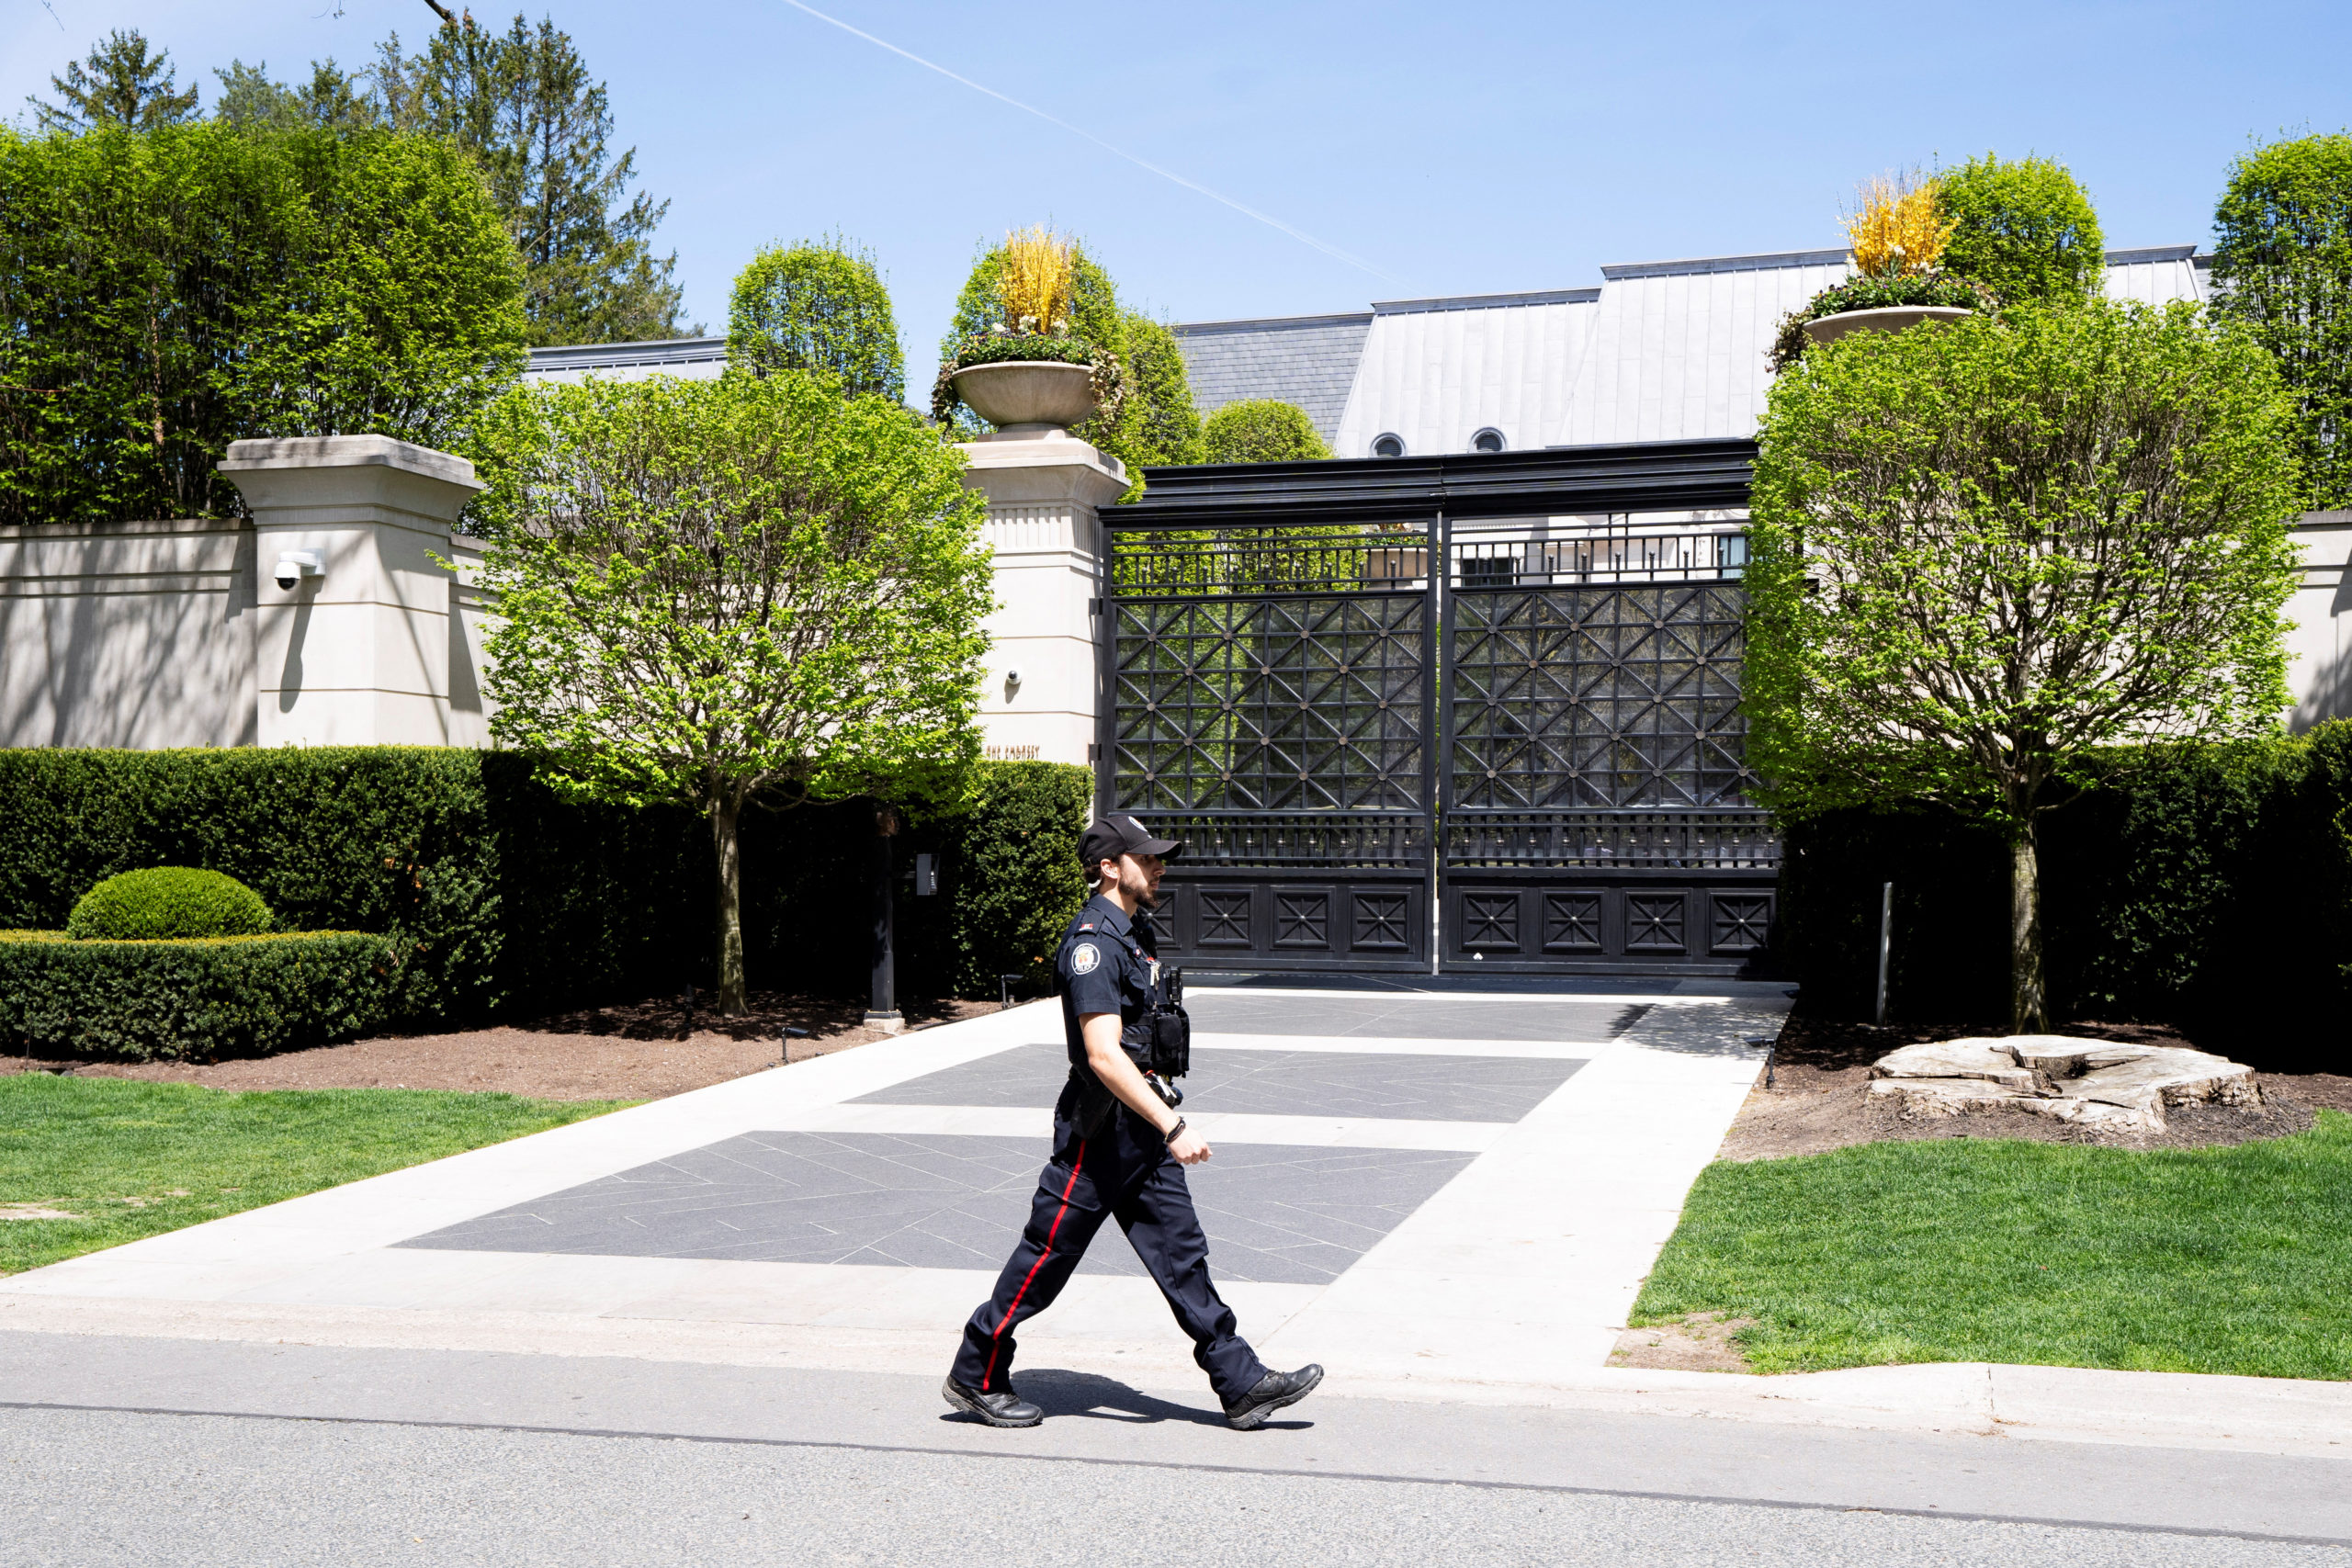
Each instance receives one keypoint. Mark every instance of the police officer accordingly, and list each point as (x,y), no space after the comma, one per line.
(1119,1152)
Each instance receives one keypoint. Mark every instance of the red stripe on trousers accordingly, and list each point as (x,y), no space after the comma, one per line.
(1006,1321)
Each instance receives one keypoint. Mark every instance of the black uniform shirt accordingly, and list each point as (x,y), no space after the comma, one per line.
(1105,965)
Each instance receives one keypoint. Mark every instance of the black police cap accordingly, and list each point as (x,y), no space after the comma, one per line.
(1111,837)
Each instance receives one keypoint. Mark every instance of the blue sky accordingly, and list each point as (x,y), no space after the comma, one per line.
(1456,149)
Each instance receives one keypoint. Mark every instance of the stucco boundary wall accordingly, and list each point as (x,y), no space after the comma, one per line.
(2319,650)
(175,633)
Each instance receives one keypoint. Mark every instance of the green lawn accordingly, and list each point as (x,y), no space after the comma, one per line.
(129,1160)
(2209,1260)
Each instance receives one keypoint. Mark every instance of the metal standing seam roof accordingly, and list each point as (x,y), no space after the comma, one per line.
(2157,275)
(1437,372)
(1677,348)
(689,359)
(1661,351)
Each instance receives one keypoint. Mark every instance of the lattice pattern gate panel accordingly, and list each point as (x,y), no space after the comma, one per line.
(1596,806)
(1272,702)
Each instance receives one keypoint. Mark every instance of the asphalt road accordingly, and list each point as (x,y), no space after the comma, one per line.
(139,1451)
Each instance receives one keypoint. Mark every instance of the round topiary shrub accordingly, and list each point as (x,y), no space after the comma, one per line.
(1261,430)
(167,901)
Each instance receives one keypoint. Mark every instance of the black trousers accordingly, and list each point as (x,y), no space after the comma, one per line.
(1125,1173)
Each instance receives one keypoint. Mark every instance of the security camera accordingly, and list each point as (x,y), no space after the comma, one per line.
(294,565)
(1012,676)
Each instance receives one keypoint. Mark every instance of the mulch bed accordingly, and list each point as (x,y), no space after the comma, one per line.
(1820,1101)
(642,1050)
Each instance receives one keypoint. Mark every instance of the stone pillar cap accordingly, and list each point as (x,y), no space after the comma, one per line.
(348,452)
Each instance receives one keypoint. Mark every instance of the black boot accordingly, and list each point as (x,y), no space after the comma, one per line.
(1009,1409)
(1273,1390)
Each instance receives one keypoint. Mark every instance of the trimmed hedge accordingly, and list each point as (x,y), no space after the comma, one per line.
(504,901)
(2211,889)
(195,996)
(167,901)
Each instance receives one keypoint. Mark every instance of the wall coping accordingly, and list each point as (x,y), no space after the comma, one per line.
(48,531)
(348,452)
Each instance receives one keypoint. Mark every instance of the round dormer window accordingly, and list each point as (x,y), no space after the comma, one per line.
(1388,446)
(1487,440)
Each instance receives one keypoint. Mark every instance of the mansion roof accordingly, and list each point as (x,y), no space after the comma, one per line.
(1660,351)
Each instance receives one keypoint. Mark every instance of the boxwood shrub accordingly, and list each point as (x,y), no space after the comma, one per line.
(167,901)
(2207,888)
(199,996)
(503,901)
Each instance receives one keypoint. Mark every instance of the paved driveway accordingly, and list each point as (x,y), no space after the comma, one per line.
(1413,1187)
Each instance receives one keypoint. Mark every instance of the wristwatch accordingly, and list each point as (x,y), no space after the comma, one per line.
(1174,1133)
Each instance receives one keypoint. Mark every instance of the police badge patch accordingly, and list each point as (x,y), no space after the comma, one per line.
(1083,958)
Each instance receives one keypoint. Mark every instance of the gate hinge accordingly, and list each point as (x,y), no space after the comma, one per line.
(1094,606)
(1094,750)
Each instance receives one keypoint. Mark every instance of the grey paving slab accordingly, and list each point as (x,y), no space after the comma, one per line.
(1409,1016)
(1272,1213)
(1272,1083)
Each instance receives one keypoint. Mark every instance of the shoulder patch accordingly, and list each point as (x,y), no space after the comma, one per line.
(1083,959)
(1087,927)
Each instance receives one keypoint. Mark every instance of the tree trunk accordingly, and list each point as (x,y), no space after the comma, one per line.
(725,817)
(2028,1010)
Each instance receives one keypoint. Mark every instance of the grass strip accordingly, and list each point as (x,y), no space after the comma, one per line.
(2226,1259)
(127,1160)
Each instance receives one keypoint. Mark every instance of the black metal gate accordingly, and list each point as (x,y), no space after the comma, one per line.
(1272,706)
(1409,743)
(1595,797)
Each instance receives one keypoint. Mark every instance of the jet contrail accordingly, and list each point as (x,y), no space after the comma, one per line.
(1302,238)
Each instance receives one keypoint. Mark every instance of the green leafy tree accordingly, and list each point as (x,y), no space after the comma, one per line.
(121,84)
(1261,430)
(818,305)
(163,293)
(333,99)
(2283,267)
(524,106)
(2023,229)
(1982,551)
(1156,421)
(1162,423)
(725,593)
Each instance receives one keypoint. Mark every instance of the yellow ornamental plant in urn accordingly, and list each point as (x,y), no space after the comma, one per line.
(1028,374)
(1897,234)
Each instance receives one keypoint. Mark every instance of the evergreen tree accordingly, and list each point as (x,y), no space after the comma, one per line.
(332,100)
(123,84)
(522,104)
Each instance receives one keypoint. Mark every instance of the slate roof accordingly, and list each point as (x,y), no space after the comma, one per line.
(1306,360)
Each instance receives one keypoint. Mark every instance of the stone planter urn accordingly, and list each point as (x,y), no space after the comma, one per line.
(1027,397)
(1892,319)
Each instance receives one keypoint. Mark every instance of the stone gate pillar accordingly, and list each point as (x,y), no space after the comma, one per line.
(360,639)
(1044,491)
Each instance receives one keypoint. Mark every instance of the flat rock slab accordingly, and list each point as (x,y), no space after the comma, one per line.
(2101,1083)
